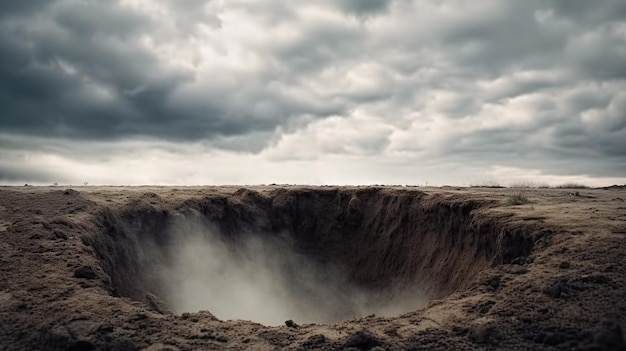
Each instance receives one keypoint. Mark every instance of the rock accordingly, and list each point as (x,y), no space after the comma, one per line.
(70,192)
(565,265)
(85,272)
(157,304)
(495,282)
(362,340)
(291,324)
(559,290)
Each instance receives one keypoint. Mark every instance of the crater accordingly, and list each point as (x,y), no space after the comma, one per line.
(308,255)
(303,267)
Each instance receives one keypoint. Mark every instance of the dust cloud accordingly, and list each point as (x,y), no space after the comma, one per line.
(260,278)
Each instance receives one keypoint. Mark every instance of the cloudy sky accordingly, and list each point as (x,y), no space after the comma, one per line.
(323,92)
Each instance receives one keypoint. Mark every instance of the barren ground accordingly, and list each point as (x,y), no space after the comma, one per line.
(545,275)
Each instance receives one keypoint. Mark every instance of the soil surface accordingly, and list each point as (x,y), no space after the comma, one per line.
(500,272)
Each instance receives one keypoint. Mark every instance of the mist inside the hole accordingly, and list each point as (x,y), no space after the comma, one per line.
(262,278)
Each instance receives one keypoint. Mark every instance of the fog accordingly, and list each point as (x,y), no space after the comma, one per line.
(259,277)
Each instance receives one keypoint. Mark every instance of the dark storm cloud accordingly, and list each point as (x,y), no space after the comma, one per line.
(13,175)
(11,8)
(15,169)
(240,75)
(67,73)
(364,7)
(76,69)
(591,12)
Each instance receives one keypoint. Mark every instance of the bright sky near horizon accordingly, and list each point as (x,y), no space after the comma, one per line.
(127,92)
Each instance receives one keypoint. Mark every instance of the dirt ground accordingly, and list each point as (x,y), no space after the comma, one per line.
(549,274)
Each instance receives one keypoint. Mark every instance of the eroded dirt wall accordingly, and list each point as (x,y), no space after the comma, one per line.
(383,238)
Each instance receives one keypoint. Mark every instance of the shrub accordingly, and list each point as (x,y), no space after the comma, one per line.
(486,183)
(517,199)
(572,185)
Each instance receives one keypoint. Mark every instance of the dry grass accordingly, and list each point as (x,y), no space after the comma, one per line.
(526,184)
(517,199)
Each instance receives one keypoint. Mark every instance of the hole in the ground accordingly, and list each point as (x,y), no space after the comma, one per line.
(260,277)
(307,255)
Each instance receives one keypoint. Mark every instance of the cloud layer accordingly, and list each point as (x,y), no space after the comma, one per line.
(412,86)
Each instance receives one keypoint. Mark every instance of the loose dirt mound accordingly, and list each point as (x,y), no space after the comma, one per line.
(103,268)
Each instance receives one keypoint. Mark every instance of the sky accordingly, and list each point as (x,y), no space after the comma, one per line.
(420,92)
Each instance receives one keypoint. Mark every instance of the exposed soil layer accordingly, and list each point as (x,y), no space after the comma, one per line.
(549,274)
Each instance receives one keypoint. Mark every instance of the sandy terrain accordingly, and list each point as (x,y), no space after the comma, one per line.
(546,275)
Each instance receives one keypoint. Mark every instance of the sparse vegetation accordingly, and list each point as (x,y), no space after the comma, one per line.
(517,199)
(486,183)
(526,184)
(572,185)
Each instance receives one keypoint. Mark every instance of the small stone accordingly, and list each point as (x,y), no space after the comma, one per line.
(495,282)
(565,265)
(291,324)
(559,290)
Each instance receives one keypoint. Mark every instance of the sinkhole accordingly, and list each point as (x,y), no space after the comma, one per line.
(317,255)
